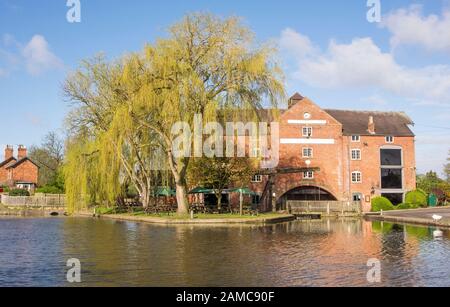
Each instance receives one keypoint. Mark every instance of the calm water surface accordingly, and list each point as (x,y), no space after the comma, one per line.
(33,252)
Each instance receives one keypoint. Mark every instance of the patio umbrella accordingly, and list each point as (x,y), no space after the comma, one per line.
(165,191)
(199,190)
(242,192)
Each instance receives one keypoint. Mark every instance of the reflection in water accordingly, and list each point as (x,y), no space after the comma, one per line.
(302,253)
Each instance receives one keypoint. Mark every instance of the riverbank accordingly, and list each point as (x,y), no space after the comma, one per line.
(422,217)
(201,219)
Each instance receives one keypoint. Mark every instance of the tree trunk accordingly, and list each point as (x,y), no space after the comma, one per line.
(241,204)
(219,200)
(145,198)
(182,200)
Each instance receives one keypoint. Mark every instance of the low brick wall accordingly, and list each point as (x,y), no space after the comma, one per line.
(41,201)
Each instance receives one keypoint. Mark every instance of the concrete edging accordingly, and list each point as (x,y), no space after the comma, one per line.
(165,221)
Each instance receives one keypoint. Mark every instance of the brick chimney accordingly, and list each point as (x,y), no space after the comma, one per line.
(22,152)
(371,125)
(9,152)
(295,99)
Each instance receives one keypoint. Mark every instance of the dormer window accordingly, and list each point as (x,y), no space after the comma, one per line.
(390,139)
(356,138)
(307,132)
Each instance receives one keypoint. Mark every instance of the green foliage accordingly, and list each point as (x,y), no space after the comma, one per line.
(417,197)
(5,189)
(19,192)
(49,157)
(125,110)
(48,189)
(381,203)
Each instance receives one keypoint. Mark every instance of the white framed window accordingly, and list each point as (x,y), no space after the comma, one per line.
(307,132)
(256,152)
(356,154)
(307,152)
(356,177)
(389,139)
(356,138)
(257,178)
(357,197)
(308,175)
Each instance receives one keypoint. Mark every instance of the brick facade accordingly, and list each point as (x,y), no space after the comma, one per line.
(21,172)
(331,146)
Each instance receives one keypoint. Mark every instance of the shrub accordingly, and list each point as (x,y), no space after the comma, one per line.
(50,190)
(404,206)
(19,192)
(417,197)
(381,203)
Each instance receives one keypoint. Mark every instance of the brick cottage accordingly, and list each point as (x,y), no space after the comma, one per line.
(20,172)
(351,156)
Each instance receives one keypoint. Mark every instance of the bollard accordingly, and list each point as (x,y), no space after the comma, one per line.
(192,214)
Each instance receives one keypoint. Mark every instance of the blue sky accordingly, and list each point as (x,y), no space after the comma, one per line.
(329,51)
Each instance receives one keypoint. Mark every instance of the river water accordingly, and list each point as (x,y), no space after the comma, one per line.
(34,252)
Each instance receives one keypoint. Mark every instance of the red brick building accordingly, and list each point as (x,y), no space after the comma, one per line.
(20,172)
(356,155)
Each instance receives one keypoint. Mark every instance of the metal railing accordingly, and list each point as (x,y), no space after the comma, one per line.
(323,207)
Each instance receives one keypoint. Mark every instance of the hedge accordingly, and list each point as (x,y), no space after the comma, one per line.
(19,192)
(381,203)
(417,198)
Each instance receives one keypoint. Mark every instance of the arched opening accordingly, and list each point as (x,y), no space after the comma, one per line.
(308,193)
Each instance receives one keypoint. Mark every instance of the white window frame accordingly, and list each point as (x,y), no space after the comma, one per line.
(309,149)
(257,178)
(359,158)
(308,175)
(356,139)
(355,178)
(389,139)
(307,134)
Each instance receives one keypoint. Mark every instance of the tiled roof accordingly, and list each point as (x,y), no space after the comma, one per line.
(386,123)
(7,161)
(20,162)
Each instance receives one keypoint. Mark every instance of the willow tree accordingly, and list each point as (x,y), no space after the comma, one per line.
(205,65)
(106,148)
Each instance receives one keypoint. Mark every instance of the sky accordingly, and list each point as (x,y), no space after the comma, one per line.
(328,49)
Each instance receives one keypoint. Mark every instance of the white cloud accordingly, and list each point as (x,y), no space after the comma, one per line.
(38,56)
(362,64)
(410,27)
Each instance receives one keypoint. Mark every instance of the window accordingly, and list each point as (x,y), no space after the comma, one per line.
(307,132)
(356,177)
(391,178)
(257,179)
(356,138)
(356,154)
(307,152)
(391,169)
(391,157)
(389,139)
(357,197)
(256,152)
(308,175)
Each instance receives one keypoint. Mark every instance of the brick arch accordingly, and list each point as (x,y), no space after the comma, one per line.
(289,183)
